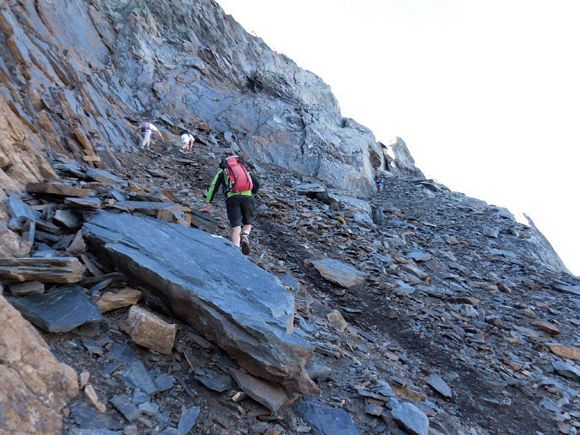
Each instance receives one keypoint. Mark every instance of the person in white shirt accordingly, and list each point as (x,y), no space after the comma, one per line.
(187,141)
(147,128)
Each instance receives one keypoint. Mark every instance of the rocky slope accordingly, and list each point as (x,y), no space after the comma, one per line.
(416,307)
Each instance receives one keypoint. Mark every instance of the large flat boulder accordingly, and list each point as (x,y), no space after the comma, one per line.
(34,386)
(206,282)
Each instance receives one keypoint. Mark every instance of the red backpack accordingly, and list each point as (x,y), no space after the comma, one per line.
(240,180)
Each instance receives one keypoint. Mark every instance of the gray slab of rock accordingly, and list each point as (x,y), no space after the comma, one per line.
(419,256)
(307,188)
(215,381)
(374,409)
(203,222)
(66,218)
(84,202)
(58,189)
(265,393)
(139,377)
(411,418)
(164,382)
(61,270)
(206,282)
(122,403)
(339,273)
(438,384)
(19,209)
(567,370)
(27,288)
(188,419)
(88,417)
(570,289)
(59,310)
(491,232)
(167,210)
(324,419)
(140,397)
(149,408)
(104,177)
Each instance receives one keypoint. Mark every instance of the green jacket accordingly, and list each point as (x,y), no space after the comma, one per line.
(221,179)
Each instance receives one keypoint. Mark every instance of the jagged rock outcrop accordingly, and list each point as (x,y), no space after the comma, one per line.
(248,314)
(398,158)
(34,386)
(184,64)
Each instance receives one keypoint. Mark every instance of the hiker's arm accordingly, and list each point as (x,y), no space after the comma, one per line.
(213,188)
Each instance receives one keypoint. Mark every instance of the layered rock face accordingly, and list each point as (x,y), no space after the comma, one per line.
(34,386)
(183,63)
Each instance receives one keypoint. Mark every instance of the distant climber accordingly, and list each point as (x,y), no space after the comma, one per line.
(238,186)
(380,181)
(187,141)
(147,128)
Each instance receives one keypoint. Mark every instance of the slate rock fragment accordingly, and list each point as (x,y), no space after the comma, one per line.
(324,419)
(411,418)
(59,310)
(339,273)
(265,393)
(188,419)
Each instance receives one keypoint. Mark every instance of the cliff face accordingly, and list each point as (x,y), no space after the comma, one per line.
(82,86)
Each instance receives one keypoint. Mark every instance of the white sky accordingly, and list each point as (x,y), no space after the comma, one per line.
(485,93)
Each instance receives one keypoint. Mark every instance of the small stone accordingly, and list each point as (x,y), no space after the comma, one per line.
(419,256)
(215,381)
(149,408)
(491,232)
(568,352)
(27,288)
(124,298)
(374,409)
(138,377)
(547,327)
(265,393)
(438,384)
(188,419)
(339,273)
(150,331)
(67,218)
(452,240)
(335,317)
(84,378)
(94,399)
(411,418)
(567,370)
(164,382)
(123,404)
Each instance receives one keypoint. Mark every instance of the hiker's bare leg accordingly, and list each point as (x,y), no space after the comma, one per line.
(236,235)
(246,229)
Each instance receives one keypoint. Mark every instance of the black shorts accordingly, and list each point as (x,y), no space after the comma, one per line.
(240,210)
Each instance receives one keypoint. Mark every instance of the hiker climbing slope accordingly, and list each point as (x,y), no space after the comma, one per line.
(187,141)
(147,128)
(238,186)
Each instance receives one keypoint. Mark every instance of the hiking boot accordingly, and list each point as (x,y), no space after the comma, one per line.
(245,243)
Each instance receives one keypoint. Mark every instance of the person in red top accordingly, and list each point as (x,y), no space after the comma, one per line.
(238,186)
